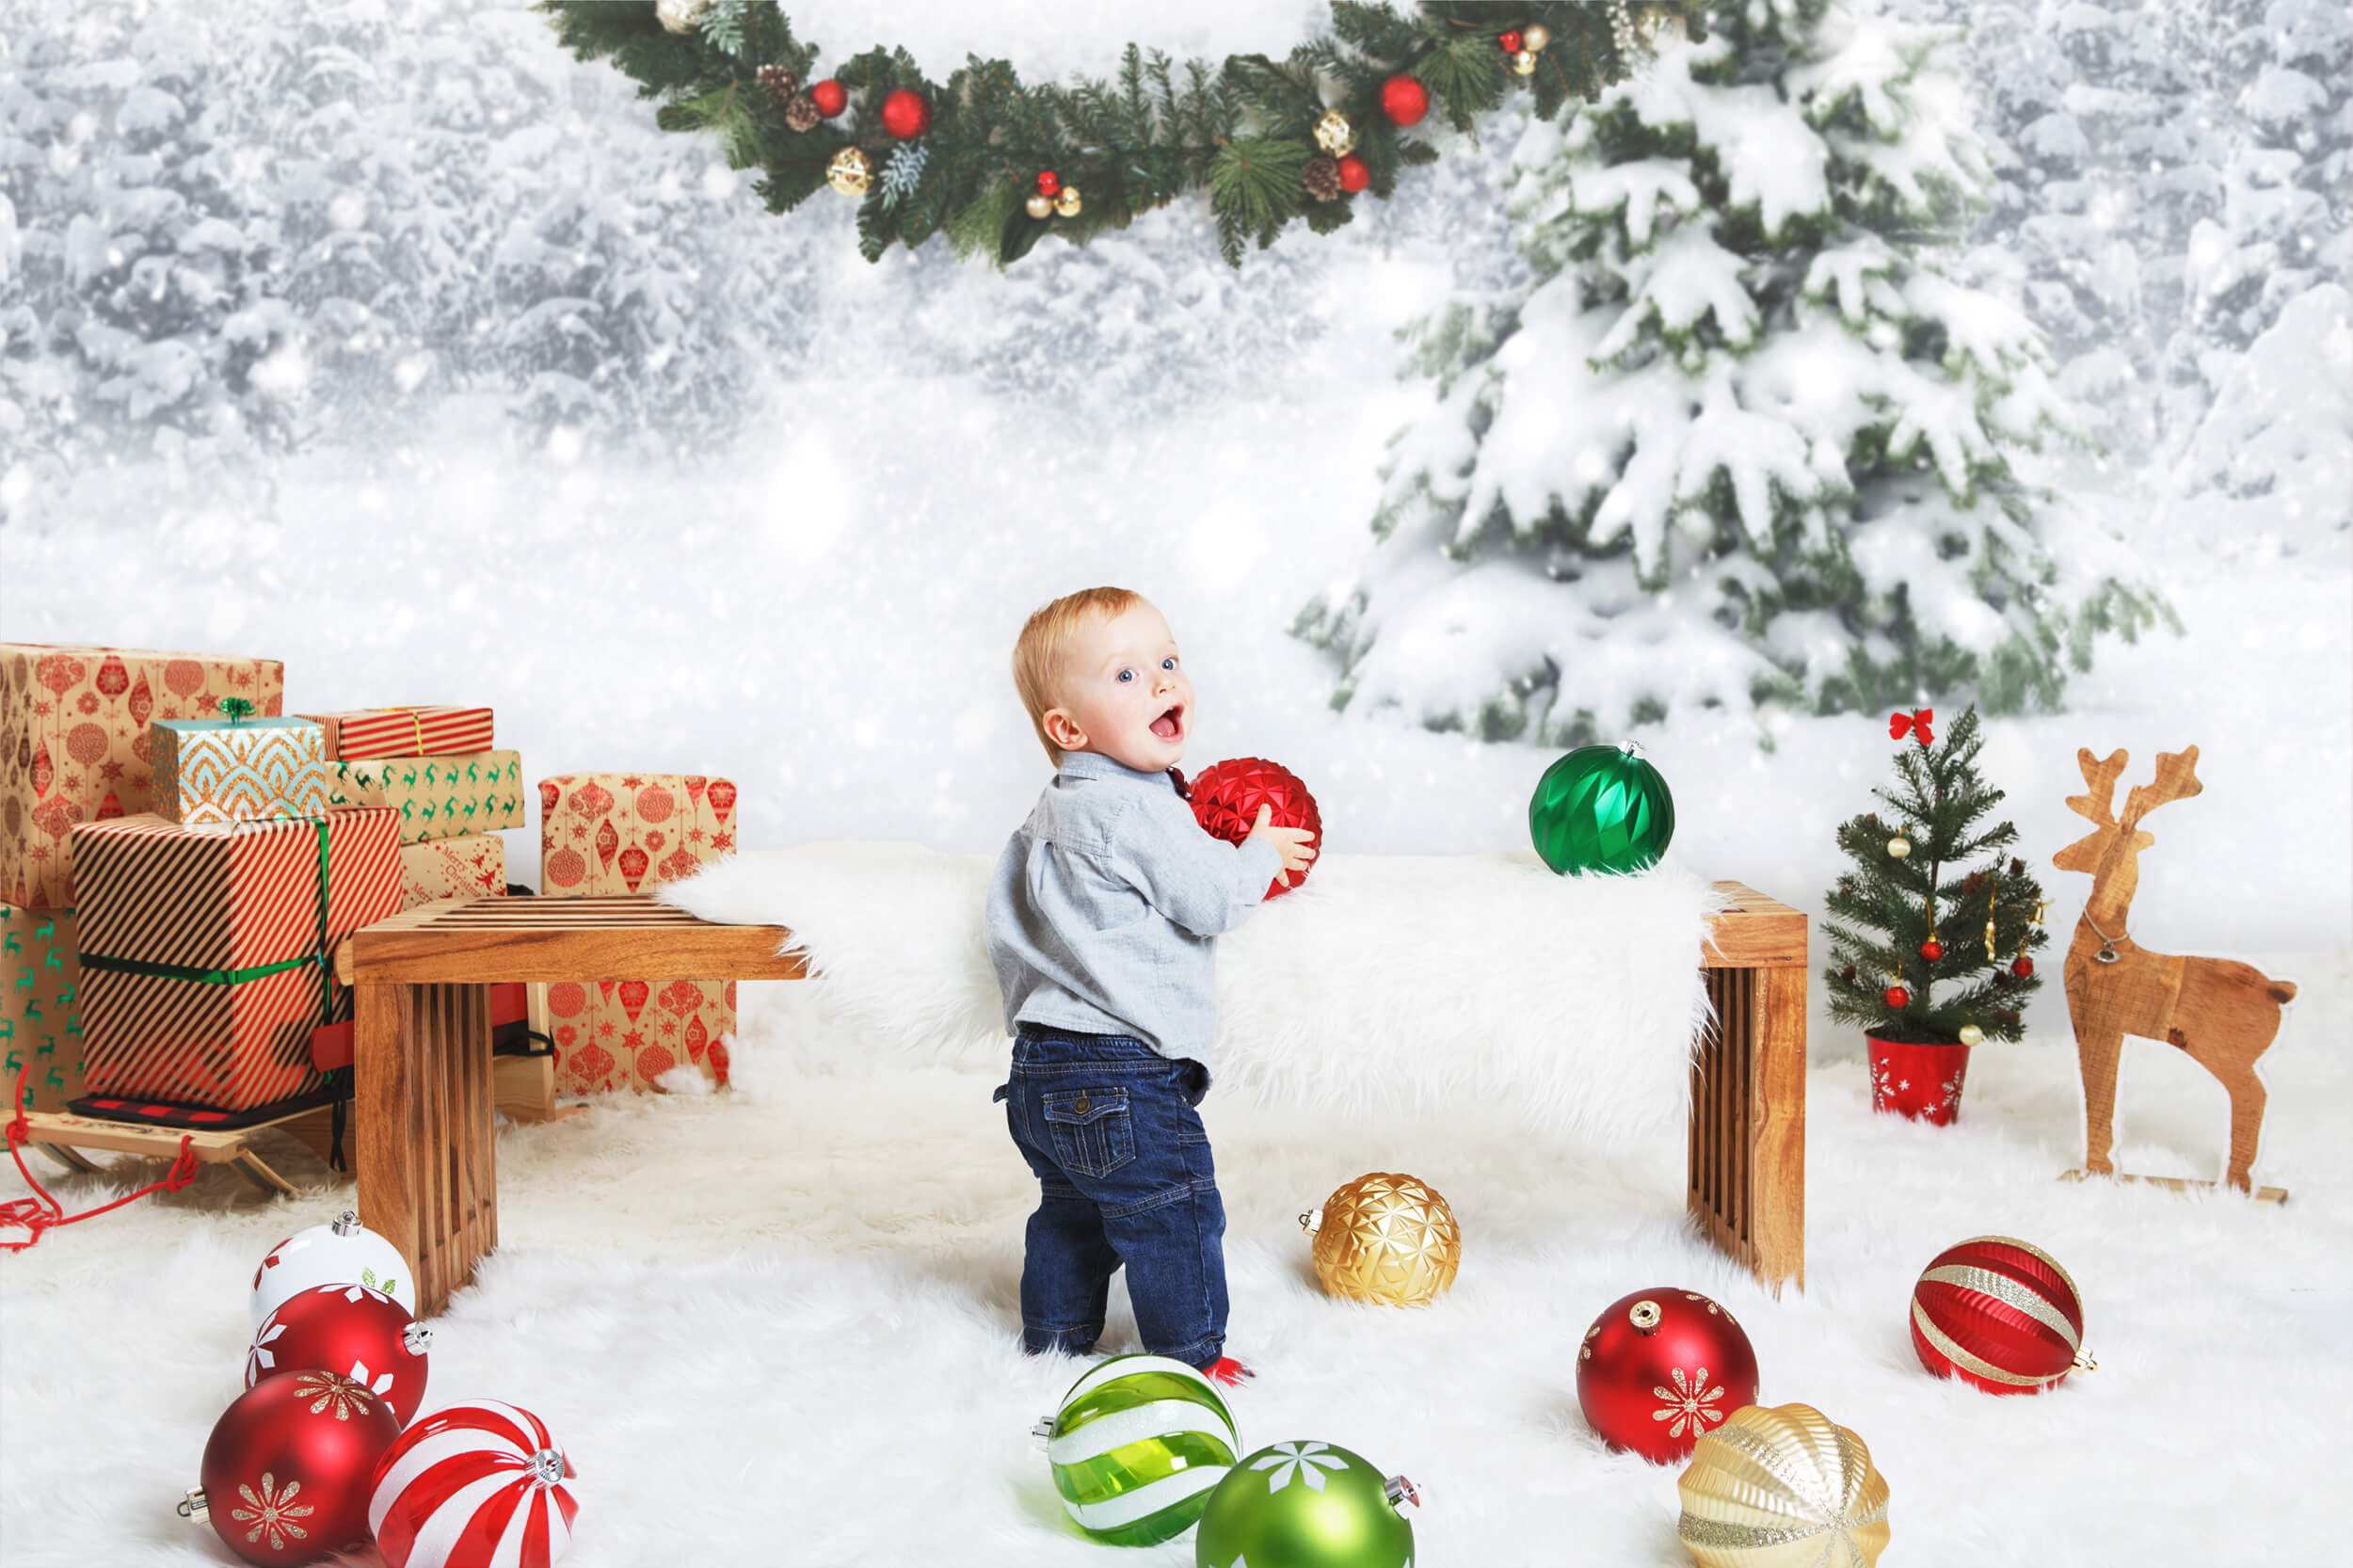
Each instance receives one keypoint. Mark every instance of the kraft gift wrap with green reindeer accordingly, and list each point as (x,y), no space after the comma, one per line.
(438,797)
(40,1010)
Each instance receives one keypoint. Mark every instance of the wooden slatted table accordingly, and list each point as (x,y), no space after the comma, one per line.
(427,1168)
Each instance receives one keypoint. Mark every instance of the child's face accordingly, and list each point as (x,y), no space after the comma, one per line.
(1123,693)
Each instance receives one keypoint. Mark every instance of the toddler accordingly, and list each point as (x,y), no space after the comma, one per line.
(1102,918)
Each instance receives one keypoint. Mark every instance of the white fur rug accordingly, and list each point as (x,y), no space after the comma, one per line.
(1384,984)
(778,1325)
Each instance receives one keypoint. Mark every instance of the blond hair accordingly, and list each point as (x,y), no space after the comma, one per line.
(1037,652)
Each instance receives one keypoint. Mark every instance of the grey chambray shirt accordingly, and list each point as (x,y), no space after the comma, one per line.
(1104,909)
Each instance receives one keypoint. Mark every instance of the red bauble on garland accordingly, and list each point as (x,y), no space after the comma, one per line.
(1048,182)
(1510,40)
(1659,1368)
(287,1469)
(1226,797)
(1354,175)
(829,96)
(1404,100)
(2022,965)
(470,1487)
(1931,950)
(906,115)
(1897,997)
(1999,1313)
(363,1334)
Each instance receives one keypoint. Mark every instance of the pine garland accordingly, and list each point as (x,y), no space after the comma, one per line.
(1243,130)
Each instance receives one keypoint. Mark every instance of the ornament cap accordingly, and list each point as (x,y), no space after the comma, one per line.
(1645,1315)
(1312,1220)
(1402,1494)
(2085,1361)
(418,1337)
(1631,748)
(193,1505)
(1043,1432)
(545,1467)
(346,1223)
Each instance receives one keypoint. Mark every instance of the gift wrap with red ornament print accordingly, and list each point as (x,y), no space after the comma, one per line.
(438,797)
(203,961)
(404,731)
(41,1007)
(603,834)
(75,747)
(238,770)
(471,866)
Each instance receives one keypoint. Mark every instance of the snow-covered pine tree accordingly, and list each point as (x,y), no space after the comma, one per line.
(1743,438)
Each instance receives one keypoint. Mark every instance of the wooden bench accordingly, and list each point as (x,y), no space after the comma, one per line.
(423,1089)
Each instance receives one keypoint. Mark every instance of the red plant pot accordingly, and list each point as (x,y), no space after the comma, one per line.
(1922,1082)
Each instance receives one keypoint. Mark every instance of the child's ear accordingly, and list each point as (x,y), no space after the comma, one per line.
(1063,731)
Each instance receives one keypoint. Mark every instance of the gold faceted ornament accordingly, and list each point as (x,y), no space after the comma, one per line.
(1334,135)
(1783,1487)
(1524,63)
(1067,201)
(1535,36)
(850,172)
(1386,1238)
(1039,206)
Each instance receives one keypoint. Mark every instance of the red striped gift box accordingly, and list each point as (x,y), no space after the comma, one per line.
(206,950)
(404,731)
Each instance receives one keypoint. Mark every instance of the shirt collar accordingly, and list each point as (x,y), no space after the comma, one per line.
(1093,765)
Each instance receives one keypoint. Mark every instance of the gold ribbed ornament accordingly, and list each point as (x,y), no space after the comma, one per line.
(1784,1487)
(1334,135)
(850,172)
(1386,1238)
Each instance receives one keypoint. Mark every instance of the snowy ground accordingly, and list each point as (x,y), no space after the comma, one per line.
(779,1325)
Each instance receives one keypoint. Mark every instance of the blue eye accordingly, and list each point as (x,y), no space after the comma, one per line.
(1169,663)
(1127,675)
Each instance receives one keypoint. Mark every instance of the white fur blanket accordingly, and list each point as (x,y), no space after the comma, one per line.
(1384,982)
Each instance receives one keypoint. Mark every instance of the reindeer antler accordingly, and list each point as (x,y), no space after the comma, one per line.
(2176,779)
(2099,805)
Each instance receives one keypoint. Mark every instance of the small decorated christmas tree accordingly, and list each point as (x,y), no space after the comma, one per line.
(1932,930)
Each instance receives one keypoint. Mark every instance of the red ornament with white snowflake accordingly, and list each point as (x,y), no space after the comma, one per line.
(1999,1313)
(363,1334)
(287,1469)
(472,1486)
(1226,795)
(1660,1368)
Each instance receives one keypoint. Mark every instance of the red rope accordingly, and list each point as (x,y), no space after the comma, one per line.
(36,1214)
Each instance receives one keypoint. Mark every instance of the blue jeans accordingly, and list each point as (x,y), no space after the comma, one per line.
(1125,1177)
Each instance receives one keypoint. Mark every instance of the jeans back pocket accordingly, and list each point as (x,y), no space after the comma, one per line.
(1090,1133)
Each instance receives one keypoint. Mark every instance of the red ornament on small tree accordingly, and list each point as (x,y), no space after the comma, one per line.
(1354,175)
(829,96)
(363,1334)
(1931,950)
(288,1468)
(1896,998)
(1659,1368)
(1404,100)
(904,115)
(2023,967)
(1227,796)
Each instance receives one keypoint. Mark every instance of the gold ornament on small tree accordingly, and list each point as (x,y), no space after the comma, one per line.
(1334,135)
(1897,847)
(1386,1238)
(850,172)
(1067,201)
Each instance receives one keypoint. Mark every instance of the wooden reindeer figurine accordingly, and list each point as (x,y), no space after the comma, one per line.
(2221,1014)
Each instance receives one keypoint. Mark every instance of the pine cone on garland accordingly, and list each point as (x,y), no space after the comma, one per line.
(1322,177)
(779,83)
(801,112)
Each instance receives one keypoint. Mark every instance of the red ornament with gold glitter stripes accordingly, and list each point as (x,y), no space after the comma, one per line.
(1999,1313)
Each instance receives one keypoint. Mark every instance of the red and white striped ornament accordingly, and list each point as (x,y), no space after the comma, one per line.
(472,1486)
(1999,1313)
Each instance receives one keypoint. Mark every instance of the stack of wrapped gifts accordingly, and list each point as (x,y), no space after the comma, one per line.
(612,833)
(454,791)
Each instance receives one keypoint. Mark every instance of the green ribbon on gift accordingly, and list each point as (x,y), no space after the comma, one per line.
(238,709)
(255,971)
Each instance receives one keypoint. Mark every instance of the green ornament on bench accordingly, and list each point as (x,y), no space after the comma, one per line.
(1139,1442)
(1601,808)
(1307,1505)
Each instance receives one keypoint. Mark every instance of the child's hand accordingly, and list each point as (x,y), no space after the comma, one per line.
(1290,842)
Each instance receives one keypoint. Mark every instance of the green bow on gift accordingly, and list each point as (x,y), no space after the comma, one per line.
(238,709)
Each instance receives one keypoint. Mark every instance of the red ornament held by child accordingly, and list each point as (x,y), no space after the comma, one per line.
(1227,796)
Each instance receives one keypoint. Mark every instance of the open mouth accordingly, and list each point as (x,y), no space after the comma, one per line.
(1171,725)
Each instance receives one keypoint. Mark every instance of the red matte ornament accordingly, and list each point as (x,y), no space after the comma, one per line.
(363,1334)
(1048,182)
(1510,39)
(1355,176)
(2022,965)
(906,115)
(287,1469)
(1897,997)
(1660,1369)
(1404,100)
(1226,795)
(1931,950)
(829,96)
(2001,1314)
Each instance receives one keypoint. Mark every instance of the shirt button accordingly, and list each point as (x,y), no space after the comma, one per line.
(1079,1106)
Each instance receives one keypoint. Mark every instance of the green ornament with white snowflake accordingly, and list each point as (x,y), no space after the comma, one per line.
(1140,1442)
(1307,1505)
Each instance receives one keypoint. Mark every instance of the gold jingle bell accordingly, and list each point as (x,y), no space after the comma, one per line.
(1334,135)
(1039,206)
(1524,63)
(850,172)
(1067,201)
(1386,1238)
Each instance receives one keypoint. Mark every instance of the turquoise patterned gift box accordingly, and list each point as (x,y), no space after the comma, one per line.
(438,797)
(238,769)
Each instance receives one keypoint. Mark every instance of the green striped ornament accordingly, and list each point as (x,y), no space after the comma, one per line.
(1140,1443)
(1306,1505)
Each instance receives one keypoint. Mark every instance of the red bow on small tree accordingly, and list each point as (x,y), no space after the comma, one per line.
(1918,719)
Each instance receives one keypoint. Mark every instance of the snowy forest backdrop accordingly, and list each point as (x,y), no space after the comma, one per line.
(380,336)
